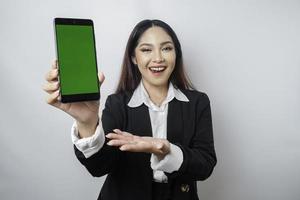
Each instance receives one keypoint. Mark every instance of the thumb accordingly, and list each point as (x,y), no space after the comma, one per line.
(101,77)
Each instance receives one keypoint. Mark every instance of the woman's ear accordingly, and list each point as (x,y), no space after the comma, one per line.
(133,59)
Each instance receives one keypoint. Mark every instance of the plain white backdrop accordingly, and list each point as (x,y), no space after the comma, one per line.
(243,54)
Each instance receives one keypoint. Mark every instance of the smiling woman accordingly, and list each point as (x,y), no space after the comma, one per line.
(154,139)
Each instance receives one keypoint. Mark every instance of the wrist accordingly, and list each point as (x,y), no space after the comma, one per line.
(162,148)
(87,129)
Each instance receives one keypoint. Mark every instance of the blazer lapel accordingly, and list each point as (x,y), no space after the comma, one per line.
(139,121)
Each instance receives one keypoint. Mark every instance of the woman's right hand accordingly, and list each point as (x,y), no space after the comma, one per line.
(85,113)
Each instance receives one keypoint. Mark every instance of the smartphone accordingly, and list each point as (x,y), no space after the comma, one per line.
(77,61)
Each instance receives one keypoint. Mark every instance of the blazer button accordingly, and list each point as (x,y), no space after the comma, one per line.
(185,188)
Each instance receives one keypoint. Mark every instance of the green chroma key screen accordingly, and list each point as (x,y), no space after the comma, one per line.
(77,59)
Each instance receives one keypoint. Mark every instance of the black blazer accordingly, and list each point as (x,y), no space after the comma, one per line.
(130,176)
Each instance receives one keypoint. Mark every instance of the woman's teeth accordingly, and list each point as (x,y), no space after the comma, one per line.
(157,69)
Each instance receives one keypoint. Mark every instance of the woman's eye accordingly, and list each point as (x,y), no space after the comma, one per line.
(167,48)
(145,50)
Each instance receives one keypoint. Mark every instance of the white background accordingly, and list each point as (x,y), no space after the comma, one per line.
(243,54)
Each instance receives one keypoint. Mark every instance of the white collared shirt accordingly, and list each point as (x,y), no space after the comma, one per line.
(158,116)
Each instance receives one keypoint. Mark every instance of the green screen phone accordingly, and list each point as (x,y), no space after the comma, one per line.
(77,61)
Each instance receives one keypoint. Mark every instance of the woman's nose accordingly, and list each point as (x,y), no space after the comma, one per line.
(158,57)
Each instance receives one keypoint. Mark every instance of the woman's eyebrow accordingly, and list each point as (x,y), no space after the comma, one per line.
(166,42)
(161,44)
(145,44)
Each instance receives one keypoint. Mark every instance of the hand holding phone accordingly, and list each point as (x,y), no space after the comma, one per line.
(85,112)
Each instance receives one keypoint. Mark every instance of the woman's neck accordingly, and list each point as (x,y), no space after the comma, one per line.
(157,94)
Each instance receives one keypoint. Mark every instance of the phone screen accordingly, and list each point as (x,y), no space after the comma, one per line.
(77,59)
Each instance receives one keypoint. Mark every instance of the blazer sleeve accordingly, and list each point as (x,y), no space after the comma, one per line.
(105,160)
(199,157)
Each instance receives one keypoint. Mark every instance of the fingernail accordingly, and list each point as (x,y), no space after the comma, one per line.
(117,131)
(122,148)
(109,143)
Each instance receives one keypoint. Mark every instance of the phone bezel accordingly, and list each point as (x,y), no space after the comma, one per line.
(76,97)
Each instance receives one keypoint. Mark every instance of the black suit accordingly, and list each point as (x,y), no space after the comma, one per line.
(130,176)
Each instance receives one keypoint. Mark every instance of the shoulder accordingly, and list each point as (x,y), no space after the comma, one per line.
(196,97)
(118,98)
(198,104)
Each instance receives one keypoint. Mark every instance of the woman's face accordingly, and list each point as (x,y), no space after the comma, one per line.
(155,56)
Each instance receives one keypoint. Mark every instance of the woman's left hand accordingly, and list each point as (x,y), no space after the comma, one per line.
(129,142)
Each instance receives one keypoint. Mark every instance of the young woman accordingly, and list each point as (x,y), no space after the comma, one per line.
(154,139)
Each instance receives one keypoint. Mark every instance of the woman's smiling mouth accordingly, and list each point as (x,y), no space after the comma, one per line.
(157,69)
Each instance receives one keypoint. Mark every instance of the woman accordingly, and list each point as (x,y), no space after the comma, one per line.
(154,139)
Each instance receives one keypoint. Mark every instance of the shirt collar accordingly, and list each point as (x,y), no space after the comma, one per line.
(140,96)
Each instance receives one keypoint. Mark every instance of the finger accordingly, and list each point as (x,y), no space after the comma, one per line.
(52,98)
(51,87)
(54,64)
(129,135)
(116,136)
(52,75)
(124,133)
(101,77)
(128,147)
(118,142)
(118,131)
(134,147)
